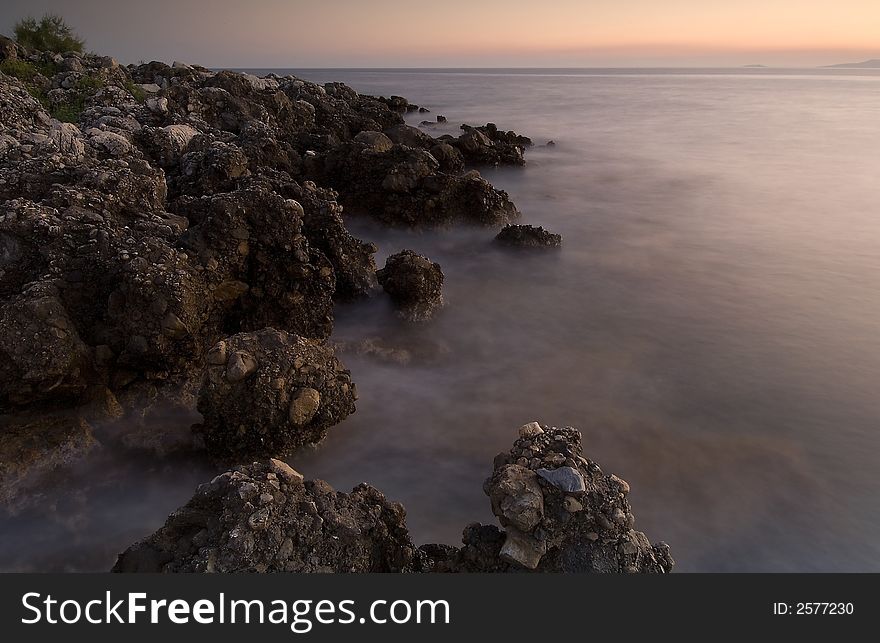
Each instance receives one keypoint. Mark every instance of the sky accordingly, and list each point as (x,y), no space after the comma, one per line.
(471,33)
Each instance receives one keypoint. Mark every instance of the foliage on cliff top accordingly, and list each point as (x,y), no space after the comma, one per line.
(49,33)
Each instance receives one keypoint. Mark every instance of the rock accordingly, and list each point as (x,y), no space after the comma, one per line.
(522,549)
(301,528)
(414,283)
(285,471)
(590,531)
(110,142)
(530,430)
(275,393)
(487,145)
(449,158)
(303,406)
(239,366)
(68,139)
(516,498)
(567,479)
(376,141)
(409,136)
(157,105)
(528,236)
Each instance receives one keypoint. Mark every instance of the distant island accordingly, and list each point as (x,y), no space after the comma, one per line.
(874,63)
(753,66)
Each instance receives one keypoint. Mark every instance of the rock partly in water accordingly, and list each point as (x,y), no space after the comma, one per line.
(528,236)
(267,393)
(560,512)
(414,283)
(264,518)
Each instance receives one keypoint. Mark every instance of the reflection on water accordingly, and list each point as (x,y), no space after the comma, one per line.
(710,324)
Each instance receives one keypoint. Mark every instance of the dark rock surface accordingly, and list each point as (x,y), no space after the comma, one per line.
(267,393)
(414,283)
(264,518)
(528,236)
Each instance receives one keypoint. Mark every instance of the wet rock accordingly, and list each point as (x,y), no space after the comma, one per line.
(414,283)
(301,527)
(376,141)
(528,236)
(274,393)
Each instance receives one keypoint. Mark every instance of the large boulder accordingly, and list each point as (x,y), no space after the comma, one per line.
(267,393)
(414,283)
(264,518)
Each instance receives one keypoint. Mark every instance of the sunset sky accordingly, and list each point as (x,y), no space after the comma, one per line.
(472,33)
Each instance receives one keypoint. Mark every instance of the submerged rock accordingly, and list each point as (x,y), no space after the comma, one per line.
(528,236)
(414,283)
(267,393)
(264,518)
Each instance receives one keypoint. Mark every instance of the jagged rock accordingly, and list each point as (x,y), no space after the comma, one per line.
(582,522)
(264,518)
(267,393)
(528,236)
(254,236)
(410,136)
(487,145)
(414,283)
(376,141)
(41,354)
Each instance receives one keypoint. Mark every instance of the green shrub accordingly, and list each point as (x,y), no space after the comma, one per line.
(90,84)
(50,33)
(135,90)
(20,69)
(70,111)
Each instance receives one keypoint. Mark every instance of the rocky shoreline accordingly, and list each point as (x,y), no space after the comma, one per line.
(175,235)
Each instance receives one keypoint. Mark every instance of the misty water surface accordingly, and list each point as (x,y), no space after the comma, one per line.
(710,324)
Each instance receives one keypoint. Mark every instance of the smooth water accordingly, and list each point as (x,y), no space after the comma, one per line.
(710,324)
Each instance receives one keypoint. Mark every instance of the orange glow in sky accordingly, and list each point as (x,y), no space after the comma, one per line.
(303,33)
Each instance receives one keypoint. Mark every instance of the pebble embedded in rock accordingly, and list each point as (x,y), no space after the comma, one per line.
(566,479)
(240,365)
(304,406)
(522,549)
(530,430)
